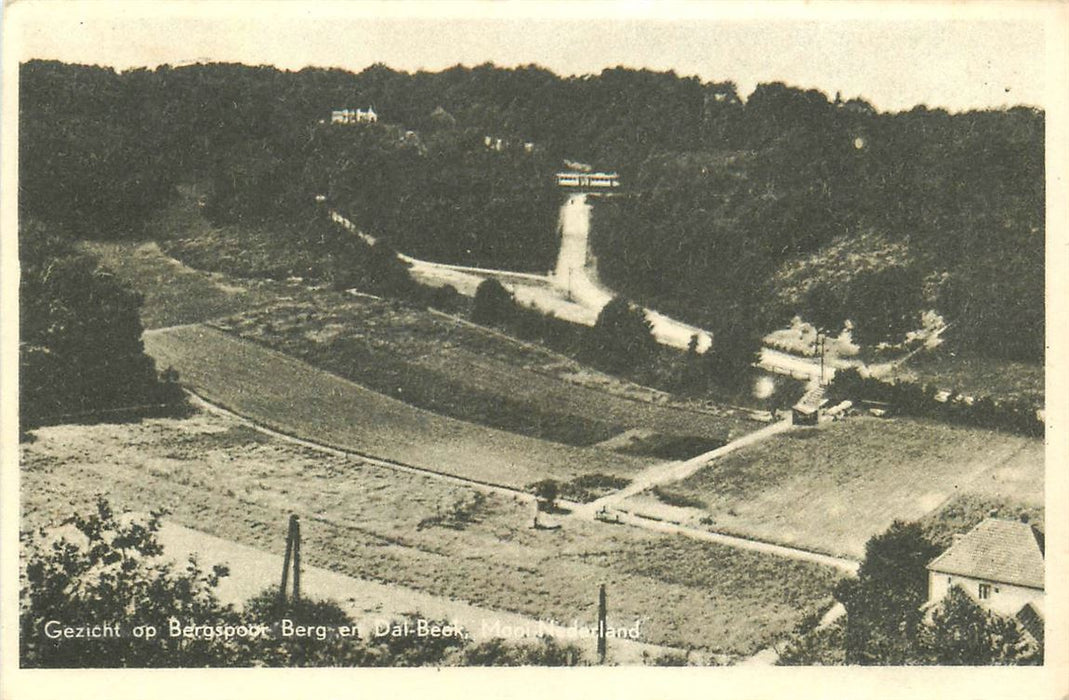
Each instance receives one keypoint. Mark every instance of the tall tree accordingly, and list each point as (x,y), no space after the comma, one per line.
(622,337)
(883,604)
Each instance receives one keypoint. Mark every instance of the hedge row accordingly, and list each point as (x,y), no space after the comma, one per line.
(915,399)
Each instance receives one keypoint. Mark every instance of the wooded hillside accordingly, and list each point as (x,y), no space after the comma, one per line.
(735,212)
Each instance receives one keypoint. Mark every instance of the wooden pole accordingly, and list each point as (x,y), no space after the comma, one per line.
(601,625)
(286,562)
(296,557)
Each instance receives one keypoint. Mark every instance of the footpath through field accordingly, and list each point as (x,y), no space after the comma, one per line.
(237,369)
(584,511)
(676,471)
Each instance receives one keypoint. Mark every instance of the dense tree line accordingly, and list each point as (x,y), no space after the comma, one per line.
(721,194)
(801,174)
(80,347)
(915,399)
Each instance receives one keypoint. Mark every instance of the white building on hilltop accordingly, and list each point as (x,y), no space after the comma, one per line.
(354,116)
(999,563)
(588,180)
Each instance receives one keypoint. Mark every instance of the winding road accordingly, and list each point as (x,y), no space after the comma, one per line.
(572,291)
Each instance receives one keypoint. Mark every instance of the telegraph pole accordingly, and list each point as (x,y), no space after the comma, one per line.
(293,551)
(295,521)
(818,345)
(602,642)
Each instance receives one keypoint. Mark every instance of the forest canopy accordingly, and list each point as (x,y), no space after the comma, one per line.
(772,202)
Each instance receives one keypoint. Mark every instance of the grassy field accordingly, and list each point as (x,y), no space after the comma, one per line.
(467,373)
(217,476)
(175,294)
(296,398)
(425,359)
(831,488)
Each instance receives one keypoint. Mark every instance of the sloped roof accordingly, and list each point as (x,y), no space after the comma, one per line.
(997,550)
(1031,618)
(811,401)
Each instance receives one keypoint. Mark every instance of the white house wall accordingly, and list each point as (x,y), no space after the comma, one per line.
(1007,600)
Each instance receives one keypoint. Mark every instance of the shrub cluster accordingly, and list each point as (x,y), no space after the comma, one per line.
(111,571)
(915,399)
(81,356)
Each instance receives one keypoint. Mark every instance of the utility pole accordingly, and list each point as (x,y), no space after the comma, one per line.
(295,521)
(818,345)
(602,642)
(293,551)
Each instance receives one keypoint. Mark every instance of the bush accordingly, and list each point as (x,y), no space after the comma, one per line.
(817,647)
(964,634)
(445,298)
(112,572)
(883,604)
(1011,415)
(493,305)
(306,651)
(80,348)
(547,491)
(590,487)
(675,498)
(621,339)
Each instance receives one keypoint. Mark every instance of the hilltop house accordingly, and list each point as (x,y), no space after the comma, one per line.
(1000,563)
(354,116)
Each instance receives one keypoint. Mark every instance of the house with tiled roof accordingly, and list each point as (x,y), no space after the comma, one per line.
(1000,563)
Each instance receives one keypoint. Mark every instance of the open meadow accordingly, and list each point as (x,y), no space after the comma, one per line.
(175,293)
(422,358)
(295,398)
(833,487)
(466,372)
(216,475)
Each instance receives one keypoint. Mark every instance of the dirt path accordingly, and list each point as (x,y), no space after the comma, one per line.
(676,471)
(571,293)
(576,278)
(371,603)
(575,510)
(848,566)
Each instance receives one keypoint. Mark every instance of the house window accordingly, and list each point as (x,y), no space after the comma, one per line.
(985,591)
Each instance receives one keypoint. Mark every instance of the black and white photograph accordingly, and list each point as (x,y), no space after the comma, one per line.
(603,337)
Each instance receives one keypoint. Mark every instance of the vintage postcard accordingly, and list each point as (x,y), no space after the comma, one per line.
(647,350)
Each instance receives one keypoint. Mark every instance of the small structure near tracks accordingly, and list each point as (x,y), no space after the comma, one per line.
(807,410)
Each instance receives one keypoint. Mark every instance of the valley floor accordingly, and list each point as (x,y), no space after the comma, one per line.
(372,522)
